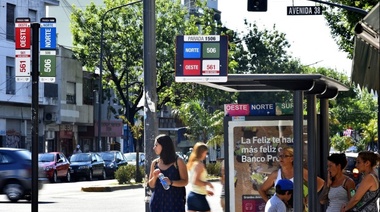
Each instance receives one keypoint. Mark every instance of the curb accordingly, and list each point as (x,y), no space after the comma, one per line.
(110,188)
(119,187)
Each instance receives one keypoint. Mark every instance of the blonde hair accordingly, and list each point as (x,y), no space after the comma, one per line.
(198,149)
(288,149)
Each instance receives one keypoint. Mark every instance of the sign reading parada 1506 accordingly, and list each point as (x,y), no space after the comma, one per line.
(201,58)
(22,44)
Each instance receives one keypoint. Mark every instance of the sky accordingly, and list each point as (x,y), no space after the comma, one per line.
(309,36)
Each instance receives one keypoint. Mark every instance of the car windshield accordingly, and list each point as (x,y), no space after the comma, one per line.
(130,156)
(80,158)
(45,157)
(107,156)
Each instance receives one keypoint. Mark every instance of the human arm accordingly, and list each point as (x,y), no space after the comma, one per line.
(184,178)
(320,181)
(222,174)
(365,185)
(268,183)
(350,185)
(153,175)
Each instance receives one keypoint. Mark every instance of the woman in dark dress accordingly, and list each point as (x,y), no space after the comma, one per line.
(175,172)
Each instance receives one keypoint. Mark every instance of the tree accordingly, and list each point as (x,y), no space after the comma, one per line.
(342,22)
(202,124)
(340,143)
(353,109)
(123,51)
(369,135)
(263,52)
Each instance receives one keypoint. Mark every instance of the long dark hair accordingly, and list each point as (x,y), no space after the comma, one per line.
(167,154)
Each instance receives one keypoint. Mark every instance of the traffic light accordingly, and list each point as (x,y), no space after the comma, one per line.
(257,5)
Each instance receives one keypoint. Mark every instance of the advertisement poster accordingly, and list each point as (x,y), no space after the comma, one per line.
(255,146)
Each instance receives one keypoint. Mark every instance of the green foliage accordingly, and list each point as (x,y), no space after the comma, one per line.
(123,52)
(350,109)
(202,125)
(263,52)
(342,22)
(213,169)
(341,143)
(369,133)
(125,174)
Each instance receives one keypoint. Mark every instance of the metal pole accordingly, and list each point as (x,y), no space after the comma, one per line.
(35,73)
(378,128)
(150,81)
(101,68)
(311,150)
(298,150)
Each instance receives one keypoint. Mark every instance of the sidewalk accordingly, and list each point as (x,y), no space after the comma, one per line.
(107,186)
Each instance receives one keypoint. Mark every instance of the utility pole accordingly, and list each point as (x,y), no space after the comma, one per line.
(35,75)
(150,92)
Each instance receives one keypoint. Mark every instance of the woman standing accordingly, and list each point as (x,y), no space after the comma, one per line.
(196,200)
(367,191)
(337,189)
(286,171)
(174,170)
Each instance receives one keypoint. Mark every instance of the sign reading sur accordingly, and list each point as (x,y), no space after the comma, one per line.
(22,54)
(201,58)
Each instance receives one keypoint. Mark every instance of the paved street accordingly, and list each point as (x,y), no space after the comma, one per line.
(68,197)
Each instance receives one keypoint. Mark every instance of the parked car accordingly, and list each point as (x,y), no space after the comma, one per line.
(55,165)
(87,165)
(131,158)
(16,174)
(113,160)
(351,170)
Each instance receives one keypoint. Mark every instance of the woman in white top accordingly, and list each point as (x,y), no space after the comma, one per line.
(196,200)
(337,189)
(285,172)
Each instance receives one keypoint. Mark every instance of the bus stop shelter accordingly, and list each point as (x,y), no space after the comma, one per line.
(303,86)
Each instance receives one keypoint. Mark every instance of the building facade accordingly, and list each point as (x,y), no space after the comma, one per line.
(66,107)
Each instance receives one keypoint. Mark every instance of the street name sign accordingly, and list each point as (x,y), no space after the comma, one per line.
(201,58)
(304,10)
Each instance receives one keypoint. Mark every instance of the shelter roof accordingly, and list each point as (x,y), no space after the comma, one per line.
(312,83)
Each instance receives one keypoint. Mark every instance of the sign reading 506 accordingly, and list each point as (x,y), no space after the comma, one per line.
(47,64)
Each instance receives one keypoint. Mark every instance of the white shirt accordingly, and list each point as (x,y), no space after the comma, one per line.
(275,204)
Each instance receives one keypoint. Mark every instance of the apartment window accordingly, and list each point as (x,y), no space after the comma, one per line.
(88,91)
(10,76)
(70,95)
(10,22)
(32,15)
